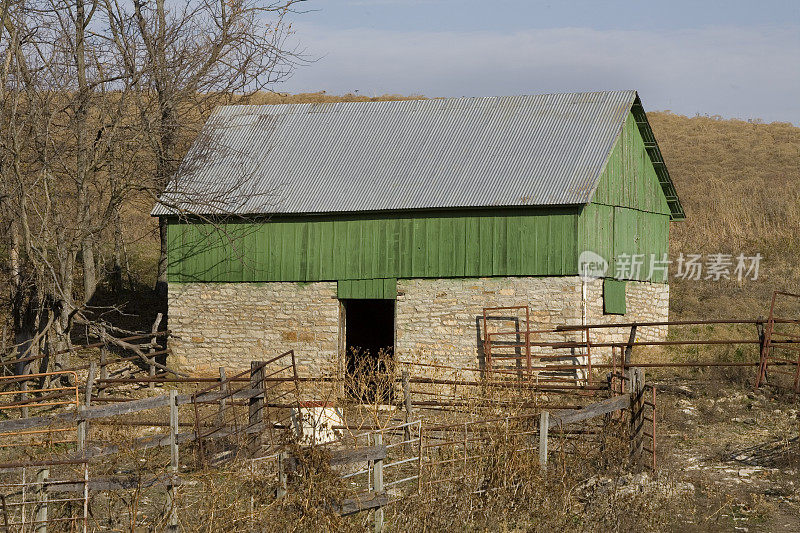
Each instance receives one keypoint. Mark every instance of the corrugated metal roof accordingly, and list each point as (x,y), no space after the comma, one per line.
(373,156)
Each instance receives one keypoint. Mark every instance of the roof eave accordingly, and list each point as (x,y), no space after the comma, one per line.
(650,144)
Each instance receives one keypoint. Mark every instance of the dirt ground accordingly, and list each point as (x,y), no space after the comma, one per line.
(737,449)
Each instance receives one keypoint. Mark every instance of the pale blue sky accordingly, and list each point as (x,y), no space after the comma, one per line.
(733,58)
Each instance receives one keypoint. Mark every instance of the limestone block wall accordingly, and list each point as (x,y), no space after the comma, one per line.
(439,321)
(645,302)
(231,324)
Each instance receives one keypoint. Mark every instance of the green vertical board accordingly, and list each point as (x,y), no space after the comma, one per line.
(472,248)
(629,178)
(367,289)
(432,235)
(499,244)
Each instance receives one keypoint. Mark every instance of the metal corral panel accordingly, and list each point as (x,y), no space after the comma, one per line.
(407,155)
(509,242)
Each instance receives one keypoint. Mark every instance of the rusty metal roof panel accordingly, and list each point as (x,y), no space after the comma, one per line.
(376,156)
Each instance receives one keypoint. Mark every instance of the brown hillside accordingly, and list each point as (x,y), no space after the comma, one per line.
(740,186)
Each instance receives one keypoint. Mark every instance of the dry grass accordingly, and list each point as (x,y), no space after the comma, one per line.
(591,483)
(739,183)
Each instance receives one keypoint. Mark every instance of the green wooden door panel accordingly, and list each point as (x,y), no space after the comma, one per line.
(369,289)
(614,297)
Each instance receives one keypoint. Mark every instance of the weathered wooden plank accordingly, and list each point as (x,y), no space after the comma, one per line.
(603,407)
(368,453)
(119,409)
(363,502)
(91,413)
(113,484)
(212,397)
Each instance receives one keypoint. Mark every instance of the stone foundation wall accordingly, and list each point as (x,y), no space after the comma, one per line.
(645,302)
(439,321)
(231,324)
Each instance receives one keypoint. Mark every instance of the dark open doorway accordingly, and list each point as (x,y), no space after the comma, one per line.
(369,343)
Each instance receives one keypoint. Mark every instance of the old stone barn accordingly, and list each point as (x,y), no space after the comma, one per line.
(391,225)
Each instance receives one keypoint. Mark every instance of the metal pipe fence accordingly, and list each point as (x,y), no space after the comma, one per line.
(50,493)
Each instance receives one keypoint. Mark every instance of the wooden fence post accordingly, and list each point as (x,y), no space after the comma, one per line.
(82,425)
(544,428)
(282,478)
(40,517)
(151,371)
(24,397)
(223,388)
(377,467)
(90,384)
(420,450)
(629,346)
(103,362)
(3,347)
(85,496)
(174,461)
(407,405)
(256,405)
(636,382)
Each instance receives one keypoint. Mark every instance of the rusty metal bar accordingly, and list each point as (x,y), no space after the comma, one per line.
(564,327)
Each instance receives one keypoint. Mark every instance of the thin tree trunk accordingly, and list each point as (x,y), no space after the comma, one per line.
(13,258)
(161,281)
(89,271)
(116,272)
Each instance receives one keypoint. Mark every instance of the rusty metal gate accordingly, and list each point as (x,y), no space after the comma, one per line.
(248,411)
(780,348)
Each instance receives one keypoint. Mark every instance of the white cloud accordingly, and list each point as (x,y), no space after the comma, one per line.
(729,71)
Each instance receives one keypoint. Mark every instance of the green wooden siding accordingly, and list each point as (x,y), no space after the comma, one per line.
(614,297)
(629,214)
(367,289)
(475,243)
(629,178)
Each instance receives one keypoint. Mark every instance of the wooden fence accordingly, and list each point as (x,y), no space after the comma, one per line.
(383,464)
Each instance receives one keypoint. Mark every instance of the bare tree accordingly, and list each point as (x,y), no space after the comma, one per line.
(186,60)
(64,108)
(95,98)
